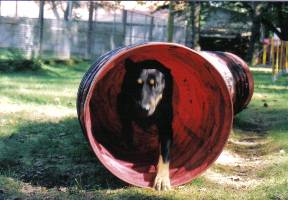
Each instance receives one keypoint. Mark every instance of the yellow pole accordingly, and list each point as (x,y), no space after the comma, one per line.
(277,60)
(264,54)
(281,68)
(272,56)
(286,57)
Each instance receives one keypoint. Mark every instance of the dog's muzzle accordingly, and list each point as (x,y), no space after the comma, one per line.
(145,110)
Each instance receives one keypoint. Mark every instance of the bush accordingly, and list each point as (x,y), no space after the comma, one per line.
(20,65)
(68,62)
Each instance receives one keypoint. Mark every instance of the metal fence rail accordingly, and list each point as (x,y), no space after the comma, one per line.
(64,39)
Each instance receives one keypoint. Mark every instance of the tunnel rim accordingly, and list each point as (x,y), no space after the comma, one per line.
(86,111)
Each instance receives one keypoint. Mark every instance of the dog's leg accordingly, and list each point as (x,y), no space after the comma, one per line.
(162,179)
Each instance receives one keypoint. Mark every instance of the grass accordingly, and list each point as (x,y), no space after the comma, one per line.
(43,154)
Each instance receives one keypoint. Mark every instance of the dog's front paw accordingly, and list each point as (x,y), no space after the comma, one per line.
(162,182)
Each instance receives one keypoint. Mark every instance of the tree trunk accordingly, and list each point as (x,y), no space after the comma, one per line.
(54,9)
(16,8)
(170,28)
(151,27)
(41,26)
(68,11)
(195,8)
(255,30)
(65,49)
(124,23)
(90,30)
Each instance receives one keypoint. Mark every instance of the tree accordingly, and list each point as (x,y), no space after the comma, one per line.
(16,8)
(90,28)
(58,8)
(68,11)
(41,22)
(194,21)
(255,12)
(276,19)
(170,25)
(54,7)
(272,15)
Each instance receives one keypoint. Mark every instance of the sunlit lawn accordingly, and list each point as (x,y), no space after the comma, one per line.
(43,154)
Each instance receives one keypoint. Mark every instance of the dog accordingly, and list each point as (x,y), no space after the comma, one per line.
(146,99)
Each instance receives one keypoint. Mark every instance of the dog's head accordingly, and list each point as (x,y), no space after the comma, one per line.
(147,82)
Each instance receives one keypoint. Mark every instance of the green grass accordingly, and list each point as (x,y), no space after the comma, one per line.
(43,154)
(273,119)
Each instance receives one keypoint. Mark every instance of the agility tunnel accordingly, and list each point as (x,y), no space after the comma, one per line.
(209,88)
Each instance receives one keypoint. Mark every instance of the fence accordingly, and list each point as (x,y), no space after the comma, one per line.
(274,54)
(64,39)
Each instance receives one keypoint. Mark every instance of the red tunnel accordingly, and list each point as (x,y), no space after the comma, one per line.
(207,87)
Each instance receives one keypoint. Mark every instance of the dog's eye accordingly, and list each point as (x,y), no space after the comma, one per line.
(139,81)
(152,82)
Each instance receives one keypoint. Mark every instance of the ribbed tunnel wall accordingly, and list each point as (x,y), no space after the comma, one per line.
(206,86)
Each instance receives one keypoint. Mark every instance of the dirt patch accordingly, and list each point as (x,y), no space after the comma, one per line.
(29,189)
(239,163)
(234,181)
(249,141)
(252,145)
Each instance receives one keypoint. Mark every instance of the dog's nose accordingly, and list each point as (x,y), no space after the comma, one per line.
(146,107)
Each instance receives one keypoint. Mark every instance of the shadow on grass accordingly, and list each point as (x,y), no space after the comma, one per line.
(263,115)
(261,119)
(141,196)
(53,155)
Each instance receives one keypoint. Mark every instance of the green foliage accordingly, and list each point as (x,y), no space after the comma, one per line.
(67,62)
(272,15)
(20,65)
(14,60)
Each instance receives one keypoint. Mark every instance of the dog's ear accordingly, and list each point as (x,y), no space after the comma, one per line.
(129,64)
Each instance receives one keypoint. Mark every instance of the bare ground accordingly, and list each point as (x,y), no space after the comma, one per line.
(241,161)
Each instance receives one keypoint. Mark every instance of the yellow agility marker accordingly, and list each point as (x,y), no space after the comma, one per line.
(277,59)
(272,56)
(264,54)
(286,57)
(281,66)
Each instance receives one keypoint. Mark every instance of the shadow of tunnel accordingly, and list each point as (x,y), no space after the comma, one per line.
(53,154)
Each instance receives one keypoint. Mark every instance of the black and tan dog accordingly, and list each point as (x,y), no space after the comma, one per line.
(146,99)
